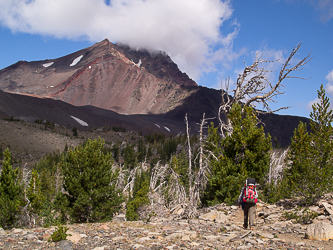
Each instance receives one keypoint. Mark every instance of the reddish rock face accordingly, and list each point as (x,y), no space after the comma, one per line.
(106,78)
(105,75)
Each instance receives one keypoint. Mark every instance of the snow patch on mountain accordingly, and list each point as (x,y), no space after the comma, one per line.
(76,60)
(82,123)
(167,128)
(158,125)
(45,65)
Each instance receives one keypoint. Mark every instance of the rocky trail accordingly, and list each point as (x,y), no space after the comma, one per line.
(218,227)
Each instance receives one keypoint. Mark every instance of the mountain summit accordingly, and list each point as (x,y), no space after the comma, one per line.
(113,85)
(105,75)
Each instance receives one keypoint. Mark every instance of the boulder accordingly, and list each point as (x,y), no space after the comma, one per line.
(105,227)
(74,237)
(328,208)
(119,218)
(17,230)
(260,206)
(99,248)
(319,231)
(216,216)
(65,245)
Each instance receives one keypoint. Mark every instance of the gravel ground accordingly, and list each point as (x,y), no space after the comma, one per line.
(29,142)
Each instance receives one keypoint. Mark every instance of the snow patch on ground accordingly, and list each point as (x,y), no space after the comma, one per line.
(82,123)
(76,60)
(139,63)
(158,125)
(167,128)
(45,65)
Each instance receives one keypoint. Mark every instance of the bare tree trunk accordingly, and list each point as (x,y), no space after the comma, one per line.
(277,164)
(130,179)
(200,181)
(190,176)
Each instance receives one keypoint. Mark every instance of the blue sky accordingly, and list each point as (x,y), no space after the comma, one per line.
(208,39)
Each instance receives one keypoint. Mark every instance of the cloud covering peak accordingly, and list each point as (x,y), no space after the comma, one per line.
(187,30)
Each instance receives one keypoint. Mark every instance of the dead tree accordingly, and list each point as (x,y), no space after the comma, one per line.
(161,190)
(190,177)
(253,87)
(197,182)
(277,164)
(26,218)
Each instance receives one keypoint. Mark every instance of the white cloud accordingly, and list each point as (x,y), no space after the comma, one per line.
(186,29)
(329,86)
(325,7)
(310,103)
(329,77)
(328,90)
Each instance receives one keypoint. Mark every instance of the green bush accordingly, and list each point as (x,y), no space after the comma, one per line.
(304,217)
(90,184)
(59,234)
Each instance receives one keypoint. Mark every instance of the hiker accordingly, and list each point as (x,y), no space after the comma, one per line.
(248,199)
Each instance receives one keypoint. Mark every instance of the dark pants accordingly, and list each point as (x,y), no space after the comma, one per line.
(249,214)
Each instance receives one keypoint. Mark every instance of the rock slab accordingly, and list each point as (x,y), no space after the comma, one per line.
(319,231)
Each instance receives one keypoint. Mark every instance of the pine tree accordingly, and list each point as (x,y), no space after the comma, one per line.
(34,193)
(321,134)
(130,156)
(140,195)
(89,183)
(309,171)
(11,193)
(243,154)
(142,150)
(180,165)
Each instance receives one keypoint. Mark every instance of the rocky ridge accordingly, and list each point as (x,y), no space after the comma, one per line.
(218,227)
(104,75)
(106,83)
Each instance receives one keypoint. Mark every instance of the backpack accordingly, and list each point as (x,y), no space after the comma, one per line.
(250,191)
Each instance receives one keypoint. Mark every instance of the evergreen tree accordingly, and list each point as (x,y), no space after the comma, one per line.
(74,130)
(309,171)
(180,165)
(34,193)
(130,156)
(48,169)
(167,149)
(89,183)
(142,150)
(11,193)
(1,153)
(140,196)
(243,154)
(115,151)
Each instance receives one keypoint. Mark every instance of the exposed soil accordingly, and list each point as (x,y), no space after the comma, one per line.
(30,142)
